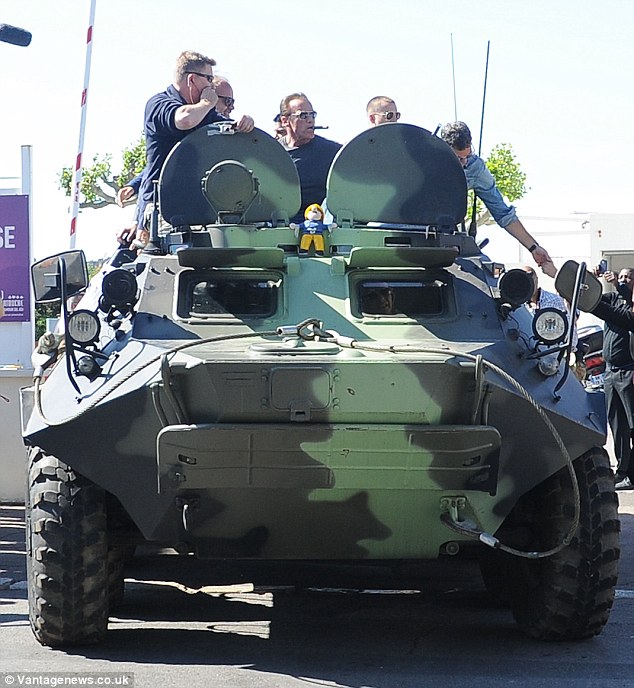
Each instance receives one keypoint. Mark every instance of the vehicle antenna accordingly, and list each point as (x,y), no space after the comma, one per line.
(484,97)
(453,78)
(472,224)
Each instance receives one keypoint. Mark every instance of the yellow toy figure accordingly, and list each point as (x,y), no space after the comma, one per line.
(311,231)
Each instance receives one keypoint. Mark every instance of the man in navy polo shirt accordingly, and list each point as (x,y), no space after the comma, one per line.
(186,105)
(311,154)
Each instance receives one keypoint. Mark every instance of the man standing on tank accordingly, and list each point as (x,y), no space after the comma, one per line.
(480,179)
(311,154)
(186,104)
(382,110)
(226,103)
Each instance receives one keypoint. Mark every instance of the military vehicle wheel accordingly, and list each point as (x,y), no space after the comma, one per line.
(568,596)
(494,569)
(116,583)
(118,557)
(66,554)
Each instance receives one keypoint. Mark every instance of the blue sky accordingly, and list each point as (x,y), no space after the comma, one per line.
(558,87)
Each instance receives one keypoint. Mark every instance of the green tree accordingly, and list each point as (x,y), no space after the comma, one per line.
(99,186)
(42,312)
(509,177)
(508,174)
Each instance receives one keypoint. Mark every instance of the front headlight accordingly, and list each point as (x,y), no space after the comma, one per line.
(550,325)
(83,327)
(119,289)
(516,287)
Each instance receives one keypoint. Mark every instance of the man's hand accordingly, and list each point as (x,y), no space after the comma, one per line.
(245,125)
(125,235)
(124,194)
(209,94)
(544,261)
(133,237)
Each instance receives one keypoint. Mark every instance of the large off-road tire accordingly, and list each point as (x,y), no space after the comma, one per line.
(67,552)
(568,596)
(118,557)
(494,569)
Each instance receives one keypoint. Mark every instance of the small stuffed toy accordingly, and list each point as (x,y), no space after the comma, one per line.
(311,231)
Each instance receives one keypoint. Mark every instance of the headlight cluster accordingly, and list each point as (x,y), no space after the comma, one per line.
(119,290)
(550,325)
(516,287)
(118,296)
(83,327)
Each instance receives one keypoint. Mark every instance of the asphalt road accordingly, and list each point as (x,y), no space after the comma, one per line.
(448,634)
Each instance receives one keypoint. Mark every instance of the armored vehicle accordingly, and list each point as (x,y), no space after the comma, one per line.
(385,396)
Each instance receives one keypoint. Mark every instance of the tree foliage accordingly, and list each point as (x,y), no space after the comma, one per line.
(99,186)
(133,161)
(42,312)
(509,178)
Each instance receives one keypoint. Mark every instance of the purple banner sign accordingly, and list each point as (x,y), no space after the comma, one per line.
(14,259)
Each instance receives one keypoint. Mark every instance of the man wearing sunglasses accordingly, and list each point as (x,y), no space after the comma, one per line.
(226,103)
(187,104)
(311,154)
(382,110)
(480,179)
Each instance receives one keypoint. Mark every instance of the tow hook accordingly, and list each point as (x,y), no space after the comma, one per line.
(188,505)
(453,505)
(450,508)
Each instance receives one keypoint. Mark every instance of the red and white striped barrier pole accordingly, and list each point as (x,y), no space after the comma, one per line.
(82,126)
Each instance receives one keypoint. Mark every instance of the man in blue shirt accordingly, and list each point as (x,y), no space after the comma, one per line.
(311,154)
(480,179)
(224,107)
(186,105)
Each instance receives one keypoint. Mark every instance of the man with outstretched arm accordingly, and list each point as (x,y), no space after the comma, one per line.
(480,179)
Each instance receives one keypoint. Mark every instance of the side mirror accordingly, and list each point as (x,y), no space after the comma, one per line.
(570,282)
(46,276)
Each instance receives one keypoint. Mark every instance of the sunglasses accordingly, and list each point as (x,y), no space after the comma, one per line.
(389,115)
(304,114)
(229,101)
(209,77)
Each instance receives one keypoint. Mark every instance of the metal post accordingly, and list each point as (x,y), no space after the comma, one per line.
(82,127)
